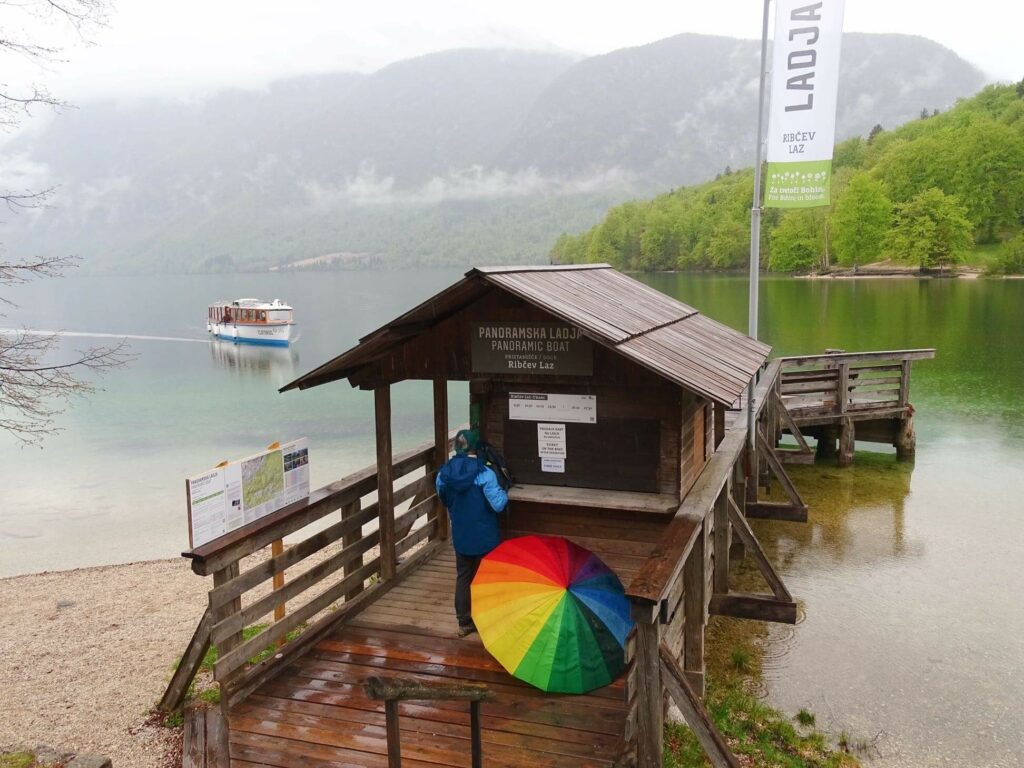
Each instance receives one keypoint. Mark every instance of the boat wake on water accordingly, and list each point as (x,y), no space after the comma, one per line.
(90,335)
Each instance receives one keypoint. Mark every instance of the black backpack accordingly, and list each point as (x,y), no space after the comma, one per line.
(489,455)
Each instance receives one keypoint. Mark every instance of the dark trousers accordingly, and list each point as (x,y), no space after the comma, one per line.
(465,570)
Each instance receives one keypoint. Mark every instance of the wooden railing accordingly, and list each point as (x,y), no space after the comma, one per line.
(392,690)
(347,573)
(820,388)
(685,578)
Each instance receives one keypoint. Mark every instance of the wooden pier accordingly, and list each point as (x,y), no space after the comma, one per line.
(840,398)
(369,591)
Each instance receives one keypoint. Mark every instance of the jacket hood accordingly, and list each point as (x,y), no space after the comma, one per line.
(460,473)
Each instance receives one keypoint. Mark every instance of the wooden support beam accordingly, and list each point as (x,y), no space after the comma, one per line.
(847,442)
(788,423)
(721,547)
(696,716)
(650,709)
(348,512)
(904,396)
(694,603)
(741,605)
(739,495)
(719,417)
(742,528)
(394,735)
(787,456)
(777,510)
(751,464)
(906,440)
(779,471)
(440,448)
(228,644)
(843,388)
(385,482)
(189,665)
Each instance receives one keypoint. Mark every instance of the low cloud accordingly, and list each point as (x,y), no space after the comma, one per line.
(473,183)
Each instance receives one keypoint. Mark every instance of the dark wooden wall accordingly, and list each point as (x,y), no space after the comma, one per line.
(634,446)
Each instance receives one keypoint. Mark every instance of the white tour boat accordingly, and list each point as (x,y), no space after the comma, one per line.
(251,321)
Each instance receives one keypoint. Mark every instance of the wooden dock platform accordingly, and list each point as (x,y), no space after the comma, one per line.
(316,712)
(368,591)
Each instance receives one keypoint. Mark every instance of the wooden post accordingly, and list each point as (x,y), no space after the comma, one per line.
(906,440)
(441,448)
(277,548)
(721,549)
(394,736)
(753,475)
(650,705)
(474,734)
(694,605)
(904,396)
(826,447)
(352,537)
(739,485)
(223,576)
(843,388)
(385,484)
(847,439)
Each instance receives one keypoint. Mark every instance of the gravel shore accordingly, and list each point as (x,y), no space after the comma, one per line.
(85,654)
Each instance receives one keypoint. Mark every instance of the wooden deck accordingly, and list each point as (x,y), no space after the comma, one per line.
(316,713)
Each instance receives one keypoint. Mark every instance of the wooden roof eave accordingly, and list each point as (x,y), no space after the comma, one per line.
(374,345)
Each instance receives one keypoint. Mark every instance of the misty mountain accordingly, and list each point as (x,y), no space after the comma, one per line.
(459,156)
(681,109)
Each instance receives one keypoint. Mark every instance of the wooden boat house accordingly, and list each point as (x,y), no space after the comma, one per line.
(611,404)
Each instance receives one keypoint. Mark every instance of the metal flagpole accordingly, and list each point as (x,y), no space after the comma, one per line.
(755,222)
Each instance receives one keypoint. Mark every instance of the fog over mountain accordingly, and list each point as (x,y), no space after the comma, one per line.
(455,157)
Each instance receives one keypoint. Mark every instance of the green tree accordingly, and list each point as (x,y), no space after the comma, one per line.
(932,230)
(862,217)
(987,177)
(797,243)
(874,132)
(1011,259)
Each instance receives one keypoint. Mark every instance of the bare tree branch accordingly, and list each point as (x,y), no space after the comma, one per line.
(38,380)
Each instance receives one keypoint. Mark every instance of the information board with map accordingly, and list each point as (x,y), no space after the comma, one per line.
(238,492)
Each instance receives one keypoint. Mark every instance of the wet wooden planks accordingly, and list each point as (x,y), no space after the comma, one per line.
(316,713)
(205,740)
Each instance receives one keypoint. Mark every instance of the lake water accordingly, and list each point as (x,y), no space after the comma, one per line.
(913,630)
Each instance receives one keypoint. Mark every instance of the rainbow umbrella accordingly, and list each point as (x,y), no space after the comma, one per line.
(551,613)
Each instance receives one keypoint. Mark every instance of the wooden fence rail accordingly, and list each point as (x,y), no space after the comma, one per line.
(818,388)
(348,575)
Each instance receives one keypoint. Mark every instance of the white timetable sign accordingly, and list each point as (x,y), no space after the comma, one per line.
(533,406)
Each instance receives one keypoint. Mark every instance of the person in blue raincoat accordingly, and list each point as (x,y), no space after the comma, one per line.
(470,491)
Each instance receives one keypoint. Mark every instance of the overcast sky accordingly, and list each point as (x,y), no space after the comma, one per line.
(194,46)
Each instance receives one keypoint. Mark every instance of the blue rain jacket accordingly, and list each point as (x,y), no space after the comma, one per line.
(470,490)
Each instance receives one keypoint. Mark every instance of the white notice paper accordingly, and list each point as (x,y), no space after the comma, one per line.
(552,465)
(551,441)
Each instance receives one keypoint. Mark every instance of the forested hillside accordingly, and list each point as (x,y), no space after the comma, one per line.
(925,193)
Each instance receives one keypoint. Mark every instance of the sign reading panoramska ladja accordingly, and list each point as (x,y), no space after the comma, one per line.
(554,349)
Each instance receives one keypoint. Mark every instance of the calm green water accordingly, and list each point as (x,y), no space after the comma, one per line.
(908,575)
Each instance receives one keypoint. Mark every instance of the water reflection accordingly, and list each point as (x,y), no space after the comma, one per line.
(279,362)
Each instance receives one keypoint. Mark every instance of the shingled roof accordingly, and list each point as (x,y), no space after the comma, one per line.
(657,332)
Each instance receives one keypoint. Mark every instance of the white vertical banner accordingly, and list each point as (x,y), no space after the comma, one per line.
(802,118)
